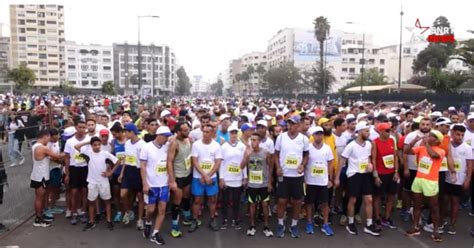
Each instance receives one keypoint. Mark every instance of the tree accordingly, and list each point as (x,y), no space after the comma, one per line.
(23,77)
(465,52)
(217,88)
(371,77)
(183,86)
(321,32)
(440,81)
(284,79)
(320,81)
(108,88)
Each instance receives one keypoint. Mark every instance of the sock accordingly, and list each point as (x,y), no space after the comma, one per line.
(351,219)
(148,223)
(175,222)
(187,214)
(174,212)
(186,204)
(155,232)
(369,222)
(294,222)
(280,221)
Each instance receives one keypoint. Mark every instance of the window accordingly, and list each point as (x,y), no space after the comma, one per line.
(30,21)
(352,70)
(344,69)
(43,64)
(107,68)
(52,63)
(406,50)
(107,53)
(42,31)
(21,30)
(21,38)
(41,23)
(107,60)
(51,22)
(351,59)
(32,62)
(84,82)
(71,67)
(382,70)
(382,61)
(53,55)
(84,67)
(43,56)
(21,22)
(94,67)
(95,83)
(72,82)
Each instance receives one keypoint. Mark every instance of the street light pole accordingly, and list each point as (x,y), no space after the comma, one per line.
(140,53)
(400,53)
(363,63)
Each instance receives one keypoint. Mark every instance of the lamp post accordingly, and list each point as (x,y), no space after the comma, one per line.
(140,52)
(325,63)
(400,53)
(362,70)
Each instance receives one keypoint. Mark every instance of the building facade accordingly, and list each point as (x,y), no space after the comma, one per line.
(159,66)
(38,40)
(253,65)
(4,62)
(200,86)
(88,66)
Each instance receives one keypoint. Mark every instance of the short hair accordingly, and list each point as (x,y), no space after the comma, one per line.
(426,119)
(95,139)
(117,127)
(53,131)
(206,117)
(77,122)
(459,128)
(338,122)
(150,120)
(42,133)
(178,125)
(305,119)
(91,120)
(257,134)
(409,113)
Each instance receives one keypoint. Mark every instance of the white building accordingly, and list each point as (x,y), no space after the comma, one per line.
(252,86)
(4,60)
(159,66)
(37,40)
(224,76)
(88,66)
(200,86)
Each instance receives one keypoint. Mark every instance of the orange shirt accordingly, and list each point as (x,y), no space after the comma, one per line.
(445,144)
(428,167)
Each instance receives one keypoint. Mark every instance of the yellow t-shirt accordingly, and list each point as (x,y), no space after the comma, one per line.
(331,142)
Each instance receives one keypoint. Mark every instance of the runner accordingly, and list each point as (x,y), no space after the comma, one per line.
(55,175)
(154,173)
(118,150)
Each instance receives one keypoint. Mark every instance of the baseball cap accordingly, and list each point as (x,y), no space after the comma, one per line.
(223,117)
(470,116)
(383,126)
(437,134)
(164,130)
(350,116)
(314,130)
(132,128)
(104,132)
(165,113)
(436,114)
(443,121)
(246,127)
(361,125)
(451,108)
(294,119)
(262,123)
(267,117)
(322,121)
(361,115)
(418,119)
(233,128)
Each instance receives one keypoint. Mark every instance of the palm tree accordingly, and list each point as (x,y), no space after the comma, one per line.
(321,32)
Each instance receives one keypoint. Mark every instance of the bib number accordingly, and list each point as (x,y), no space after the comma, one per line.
(444,163)
(424,166)
(457,165)
(256,177)
(161,169)
(233,169)
(206,166)
(318,171)
(389,161)
(131,160)
(187,162)
(291,162)
(363,166)
(78,158)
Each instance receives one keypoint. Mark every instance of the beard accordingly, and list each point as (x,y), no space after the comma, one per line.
(327,132)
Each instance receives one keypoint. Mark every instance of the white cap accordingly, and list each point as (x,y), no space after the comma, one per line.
(443,121)
(262,123)
(393,109)
(361,115)
(470,116)
(436,114)
(350,116)
(280,106)
(452,108)
(70,131)
(313,130)
(233,127)
(164,130)
(391,115)
(267,117)
(361,125)
(223,117)
(312,114)
(164,113)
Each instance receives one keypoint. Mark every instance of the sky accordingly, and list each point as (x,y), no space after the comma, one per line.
(206,34)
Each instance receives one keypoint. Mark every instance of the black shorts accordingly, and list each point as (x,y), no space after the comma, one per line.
(132,179)
(316,194)
(256,195)
(290,187)
(114,180)
(360,184)
(35,184)
(78,177)
(183,182)
(409,180)
(453,189)
(442,183)
(388,186)
(55,177)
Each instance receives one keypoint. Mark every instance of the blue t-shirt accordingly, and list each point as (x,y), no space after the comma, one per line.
(118,149)
(224,136)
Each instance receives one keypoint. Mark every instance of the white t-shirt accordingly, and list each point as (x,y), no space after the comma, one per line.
(410,157)
(348,135)
(341,142)
(358,157)
(54,146)
(373,133)
(230,169)
(97,165)
(207,154)
(461,154)
(268,145)
(132,152)
(75,160)
(469,138)
(106,148)
(316,172)
(195,134)
(155,158)
(291,153)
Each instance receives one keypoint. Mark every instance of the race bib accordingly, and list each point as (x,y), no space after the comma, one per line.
(233,169)
(469,142)
(131,160)
(291,162)
(187,162)
(256,177)
(318,171)
(78,158)
(457,165)
(424,166)
(363,166)
(389,161)
(161,169)
(120,155)
(206,166)
(444,163)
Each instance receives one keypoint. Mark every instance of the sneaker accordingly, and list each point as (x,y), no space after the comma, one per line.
(56,210)
(388,223)
(471,213)
(194,226)
(214,225)
(74,219)
(326,229)
(147,231)
(187,221)
(413,232)
(309,228)
(428,228)
(140,225)
(343,220)
(83,218)
(372,230)
(39,222)
(318,220)
(110,225)
(405,215)
(358,219)
(280,231)
(352,229)
(68,214)
(22,161)
(251,231)
(48,216)
(131,215)
(126,218)
(236,224)
(224,224)
(118,217)
(294,232)
(157,239)
(89,226)
(267,232)
(378,224)
(451,229)
(175,232)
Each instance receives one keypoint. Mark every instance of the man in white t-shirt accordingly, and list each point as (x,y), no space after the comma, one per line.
(206,158)
(155,172)
(360,182)
(197,133)
(291,157)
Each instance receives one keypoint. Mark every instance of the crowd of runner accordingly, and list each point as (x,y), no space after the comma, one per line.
(294,159)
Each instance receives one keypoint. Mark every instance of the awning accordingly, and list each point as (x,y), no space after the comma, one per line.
(386,87)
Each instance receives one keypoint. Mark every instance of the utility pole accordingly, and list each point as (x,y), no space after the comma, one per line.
(400,53)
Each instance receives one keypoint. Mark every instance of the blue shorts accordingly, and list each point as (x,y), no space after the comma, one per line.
(55,177)
(157,194)
(132,179)
(199,189)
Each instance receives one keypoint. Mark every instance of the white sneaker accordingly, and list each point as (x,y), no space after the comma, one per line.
(126,218)
(22,161)
(68,214)
(268,233)
(251,231)
(80,212)
(140,225)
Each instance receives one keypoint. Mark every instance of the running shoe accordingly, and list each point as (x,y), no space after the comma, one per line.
(343,220)
(89,226)
(56,210)
(140,225)
(251,231)
(352,229)
(309,228)
(118,217)
(147,230)
(236,224)
(280,231)
(294,232)
(326,229)
(413,232)
(451,230)
(126,218)
(224,224)
(39,222)
(372,230)
(358,219)
(110,225)
(74,219)
(388,223)
(194,226)
(84,218)
(157,239)
(214,225)
(68,214)
(187,221)
(175,232)
(267,232)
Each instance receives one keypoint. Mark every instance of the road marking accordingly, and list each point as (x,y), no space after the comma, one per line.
(418,241)
(218,241)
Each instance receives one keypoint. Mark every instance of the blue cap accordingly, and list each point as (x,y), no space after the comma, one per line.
(132,128)
(246,127)
(294,119)
(282,123)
